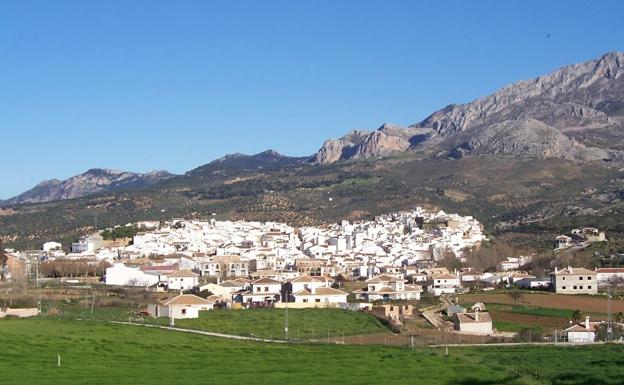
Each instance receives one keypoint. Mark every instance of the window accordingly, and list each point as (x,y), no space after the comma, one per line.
(574,287)
(258,288)
(317,300)
(580,278)
(563,278)
(589,278)
(305,300)
(266,288)
(563,287)
(588,287)
(183,311)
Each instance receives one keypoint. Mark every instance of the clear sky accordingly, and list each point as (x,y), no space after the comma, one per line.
(142,85)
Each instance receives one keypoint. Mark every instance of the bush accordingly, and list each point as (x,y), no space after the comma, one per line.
(529,335)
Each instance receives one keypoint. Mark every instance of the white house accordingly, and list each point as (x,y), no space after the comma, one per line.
(52,246)
(320,296)
(444,284)
(307,282)
(182,280)
(179,307)
(263,292)
(387,287)
(119,274)
(226,289)
(582,333)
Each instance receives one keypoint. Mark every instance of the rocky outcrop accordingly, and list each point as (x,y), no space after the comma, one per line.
(386,140)
(523,137)
(91,182)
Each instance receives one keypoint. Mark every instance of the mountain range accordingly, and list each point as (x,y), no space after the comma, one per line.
(539,152)
(90,182)
(540,117)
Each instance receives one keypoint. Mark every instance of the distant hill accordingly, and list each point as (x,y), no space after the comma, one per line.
(266,160)
(90,182)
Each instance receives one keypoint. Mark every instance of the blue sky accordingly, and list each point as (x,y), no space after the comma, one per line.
(142,85)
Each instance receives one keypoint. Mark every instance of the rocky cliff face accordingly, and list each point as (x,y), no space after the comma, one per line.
(530,117)
(91,182)
(524,137)
(580,95)
(386,140)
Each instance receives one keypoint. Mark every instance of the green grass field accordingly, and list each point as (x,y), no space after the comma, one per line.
(100,353)
(262,323)
(537,311)
(269,323)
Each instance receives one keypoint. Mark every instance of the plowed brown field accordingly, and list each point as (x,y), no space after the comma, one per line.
(592,304)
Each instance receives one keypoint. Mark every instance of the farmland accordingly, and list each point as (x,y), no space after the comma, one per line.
(100,353)
(585,303)
(262,323)
(543,312)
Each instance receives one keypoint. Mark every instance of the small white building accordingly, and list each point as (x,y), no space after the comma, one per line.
(474,323)
(180,307)
(582,333)
(182,280)
(321,296)
(49,246)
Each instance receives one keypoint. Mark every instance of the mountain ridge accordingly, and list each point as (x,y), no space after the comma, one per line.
(573,98)
(92,181)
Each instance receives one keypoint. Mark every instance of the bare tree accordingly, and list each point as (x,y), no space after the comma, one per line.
(515,295)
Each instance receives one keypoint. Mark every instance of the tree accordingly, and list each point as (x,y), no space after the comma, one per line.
(577,316)
(3,257)
(602,332)
(515,295)
(3,261)
(618,317)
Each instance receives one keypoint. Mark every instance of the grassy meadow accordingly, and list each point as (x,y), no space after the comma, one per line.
(269,323)
(262,323)
(101,353)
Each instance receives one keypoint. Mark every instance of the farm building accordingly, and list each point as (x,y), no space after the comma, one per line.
(474,323)
(582,333)
(574,280)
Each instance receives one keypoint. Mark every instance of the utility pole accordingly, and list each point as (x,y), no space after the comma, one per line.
(609,326)
(286,315)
